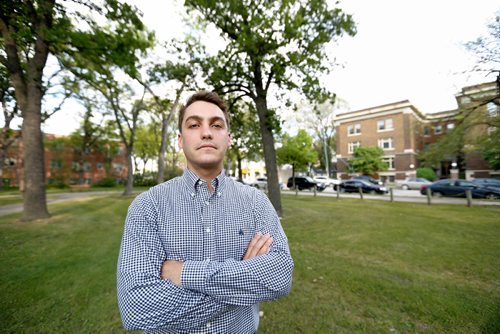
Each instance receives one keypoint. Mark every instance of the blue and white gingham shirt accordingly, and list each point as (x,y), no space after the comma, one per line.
(210,231)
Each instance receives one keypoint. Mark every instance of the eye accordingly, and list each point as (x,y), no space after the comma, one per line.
(218,125)
(193,125)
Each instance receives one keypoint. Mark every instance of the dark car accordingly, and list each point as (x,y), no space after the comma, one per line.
(458,188)
(487,182)
(351,186)
(305,182)
(366,178)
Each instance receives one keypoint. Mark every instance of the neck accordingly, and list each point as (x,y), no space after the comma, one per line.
(206,175)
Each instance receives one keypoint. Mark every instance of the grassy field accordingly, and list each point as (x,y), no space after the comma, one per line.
(360,267)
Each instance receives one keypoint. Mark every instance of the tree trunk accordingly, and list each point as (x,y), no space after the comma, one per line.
(163,149)
(269,154)
(35,201)
(130,172)
(240,172)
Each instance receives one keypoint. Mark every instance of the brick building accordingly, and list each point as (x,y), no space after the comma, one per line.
(402,131)
(65,165)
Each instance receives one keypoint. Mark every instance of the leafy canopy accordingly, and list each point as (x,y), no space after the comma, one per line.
(368,160)
(297,151)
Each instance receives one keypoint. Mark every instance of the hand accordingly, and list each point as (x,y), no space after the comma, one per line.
(259,245)
(171,270)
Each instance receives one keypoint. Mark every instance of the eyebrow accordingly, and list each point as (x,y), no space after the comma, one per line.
(211,119)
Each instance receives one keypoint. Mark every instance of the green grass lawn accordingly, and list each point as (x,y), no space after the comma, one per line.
(360,267)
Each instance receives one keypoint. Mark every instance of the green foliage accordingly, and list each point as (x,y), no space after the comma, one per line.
(107,182)
(368,160)
(426,173)
(490,148)
(297,151)
(147,179)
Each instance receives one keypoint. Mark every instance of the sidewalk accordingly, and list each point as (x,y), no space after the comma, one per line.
(61,197)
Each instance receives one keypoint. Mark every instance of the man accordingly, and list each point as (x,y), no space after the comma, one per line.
(199,252)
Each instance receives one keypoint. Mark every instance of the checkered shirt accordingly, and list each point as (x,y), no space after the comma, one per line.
(209,231)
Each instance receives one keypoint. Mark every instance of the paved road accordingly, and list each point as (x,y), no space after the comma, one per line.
(399,195)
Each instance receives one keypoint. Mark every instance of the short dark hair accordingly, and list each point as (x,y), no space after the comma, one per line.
(206,96)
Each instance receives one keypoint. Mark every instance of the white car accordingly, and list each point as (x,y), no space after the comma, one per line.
(327,181)
(412,183)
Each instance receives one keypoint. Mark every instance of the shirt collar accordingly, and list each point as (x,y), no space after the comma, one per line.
(192,180)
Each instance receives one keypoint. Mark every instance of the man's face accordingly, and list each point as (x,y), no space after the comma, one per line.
(204,137)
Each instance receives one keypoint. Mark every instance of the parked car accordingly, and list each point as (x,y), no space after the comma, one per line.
(366,178)
(305,182)
(237,179)
(412,183)
(487,182)
(261,183)
(327,181)
(458,187)
(351,186)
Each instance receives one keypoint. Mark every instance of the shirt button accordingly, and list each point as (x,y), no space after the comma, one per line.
(207,203)
(208,325)
(208,230)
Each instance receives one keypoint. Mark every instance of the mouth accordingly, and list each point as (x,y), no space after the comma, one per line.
(207,146)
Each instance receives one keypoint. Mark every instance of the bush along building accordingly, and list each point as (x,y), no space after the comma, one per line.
(454,143)
(69,163)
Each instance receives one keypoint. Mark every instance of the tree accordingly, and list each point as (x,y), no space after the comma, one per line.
(368,160)
(148,140)
(271,45)
(297,151)
(180,75)
(244,130)
(320,118)
(33,29)
(10,111)
(485,48)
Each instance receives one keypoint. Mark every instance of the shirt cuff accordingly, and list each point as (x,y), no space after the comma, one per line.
(193,275)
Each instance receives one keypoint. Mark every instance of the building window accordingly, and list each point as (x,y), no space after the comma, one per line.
(354,129)
(438,129)
(450,126)
(86,166)
(389,161)
(386,143)
(99,166)
(118,167)
(55,164)
(427,131)
(385,125)
(492,109)
(352,146)
(75,166)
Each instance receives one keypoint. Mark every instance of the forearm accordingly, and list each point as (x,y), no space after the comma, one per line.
(149,302)
(246,282)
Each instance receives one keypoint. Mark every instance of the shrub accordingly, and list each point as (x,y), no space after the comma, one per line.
(107,182)
(426,173)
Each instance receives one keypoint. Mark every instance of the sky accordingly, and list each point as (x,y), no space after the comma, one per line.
(403,50)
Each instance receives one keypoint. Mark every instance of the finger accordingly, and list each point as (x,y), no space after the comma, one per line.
(258,245)
(266,247)
(251,245)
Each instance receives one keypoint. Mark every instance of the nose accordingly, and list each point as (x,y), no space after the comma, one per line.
(206,131)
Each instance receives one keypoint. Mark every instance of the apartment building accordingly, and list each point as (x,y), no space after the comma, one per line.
(402,131)
(63,164)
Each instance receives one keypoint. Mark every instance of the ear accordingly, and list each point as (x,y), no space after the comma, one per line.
(229,139)
(179,140)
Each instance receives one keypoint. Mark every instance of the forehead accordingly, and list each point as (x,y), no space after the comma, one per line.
(203,110)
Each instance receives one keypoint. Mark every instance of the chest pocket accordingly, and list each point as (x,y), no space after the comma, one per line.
(236,232)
